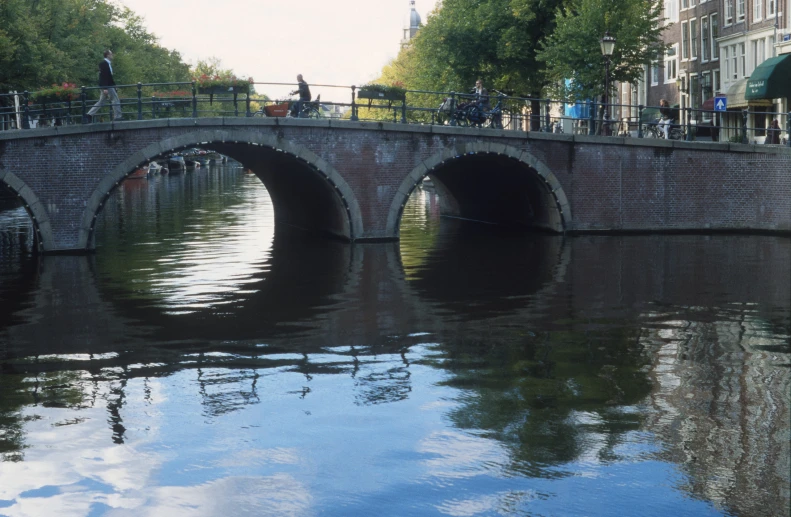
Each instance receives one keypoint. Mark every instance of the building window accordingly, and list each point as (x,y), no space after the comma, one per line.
(704,39)
(742,59)
(758,10)
(684,4)
(726,62)
(771,8)
(739,10)
(671,11)
(728,12)
(684,41)
(671,64)
(654,74)
(715,81)
(715,32)
(693,38)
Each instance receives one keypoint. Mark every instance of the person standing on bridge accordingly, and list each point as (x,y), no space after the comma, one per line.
(304,96)
(107,82)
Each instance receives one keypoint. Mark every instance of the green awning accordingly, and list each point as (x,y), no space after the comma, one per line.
(770,80)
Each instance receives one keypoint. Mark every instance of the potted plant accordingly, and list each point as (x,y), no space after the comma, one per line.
(173,98)
(382,92)
(57,93)
(219,85)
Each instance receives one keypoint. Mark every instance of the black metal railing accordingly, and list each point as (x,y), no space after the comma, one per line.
(145,101)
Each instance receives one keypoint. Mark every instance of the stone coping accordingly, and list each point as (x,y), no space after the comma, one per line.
(247,122)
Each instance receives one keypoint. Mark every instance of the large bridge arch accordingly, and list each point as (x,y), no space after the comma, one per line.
(37,211)
(547,186)
(346,204)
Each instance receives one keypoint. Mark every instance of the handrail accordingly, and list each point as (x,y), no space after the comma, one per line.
(416,106)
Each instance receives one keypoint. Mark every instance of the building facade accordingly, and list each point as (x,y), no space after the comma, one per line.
(714,47)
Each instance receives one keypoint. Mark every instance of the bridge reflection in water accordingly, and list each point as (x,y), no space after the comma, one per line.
(203,358)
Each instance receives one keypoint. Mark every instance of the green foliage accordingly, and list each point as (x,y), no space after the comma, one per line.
(51,41)
(496,40)
(573,50)
(384,88)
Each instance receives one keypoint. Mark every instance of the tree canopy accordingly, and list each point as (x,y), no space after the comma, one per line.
(573,52)
(528,47)
(54,41)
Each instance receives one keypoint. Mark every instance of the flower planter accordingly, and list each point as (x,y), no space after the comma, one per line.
(384,96)
(218,90)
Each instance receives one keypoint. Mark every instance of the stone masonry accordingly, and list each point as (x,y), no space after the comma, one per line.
(353,178)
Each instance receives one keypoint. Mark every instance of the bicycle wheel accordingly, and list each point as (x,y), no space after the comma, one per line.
(312,113)
(676,133)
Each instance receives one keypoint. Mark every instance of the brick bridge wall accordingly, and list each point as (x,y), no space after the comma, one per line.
(352,178)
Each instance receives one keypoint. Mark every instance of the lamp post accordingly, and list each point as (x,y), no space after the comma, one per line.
(607,47)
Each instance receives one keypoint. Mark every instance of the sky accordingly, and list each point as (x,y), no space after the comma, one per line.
(339,42)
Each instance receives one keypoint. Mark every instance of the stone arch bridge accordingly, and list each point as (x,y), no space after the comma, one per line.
(352,179)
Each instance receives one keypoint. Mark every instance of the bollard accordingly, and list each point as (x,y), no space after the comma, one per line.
(689,125)
(139,101)
(26,110)
(640,109)
(194,101)
(354,117)
(788,129)
(592,122)
(744,125)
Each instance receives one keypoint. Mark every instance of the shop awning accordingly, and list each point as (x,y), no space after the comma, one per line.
(737,99)
(771,79)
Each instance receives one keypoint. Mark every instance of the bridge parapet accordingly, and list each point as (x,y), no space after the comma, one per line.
(351,178)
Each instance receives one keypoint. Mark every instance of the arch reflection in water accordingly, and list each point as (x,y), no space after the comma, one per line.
(574,381)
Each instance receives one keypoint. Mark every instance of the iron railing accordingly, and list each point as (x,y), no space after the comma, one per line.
(143,101)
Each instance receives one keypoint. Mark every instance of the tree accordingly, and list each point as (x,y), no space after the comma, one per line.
(573,52)
(496,40)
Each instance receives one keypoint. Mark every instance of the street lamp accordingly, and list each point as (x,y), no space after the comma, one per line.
(607,48)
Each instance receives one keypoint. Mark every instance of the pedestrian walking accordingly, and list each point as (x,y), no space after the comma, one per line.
(773,133)
(107,82)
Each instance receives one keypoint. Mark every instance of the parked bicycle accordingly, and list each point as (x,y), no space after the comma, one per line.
(652,130)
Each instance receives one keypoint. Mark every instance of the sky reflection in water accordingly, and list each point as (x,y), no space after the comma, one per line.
(200,364)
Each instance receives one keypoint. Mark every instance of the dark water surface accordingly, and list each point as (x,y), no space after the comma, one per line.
(202,364)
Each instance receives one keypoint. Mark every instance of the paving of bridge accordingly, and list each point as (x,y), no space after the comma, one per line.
(352,179)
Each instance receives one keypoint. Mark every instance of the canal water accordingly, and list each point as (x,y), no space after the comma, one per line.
(203,363)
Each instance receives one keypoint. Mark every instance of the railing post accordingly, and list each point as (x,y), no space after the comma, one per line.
(235,105)
(640,109)
(452,109)
(592,122)
(744,126)
(689,125)
(547,116)
(354,117)
(83,99)
(403,110)
(26,110)
(139,101)
(788,129)
(247,101)
(153,107)
(194,101)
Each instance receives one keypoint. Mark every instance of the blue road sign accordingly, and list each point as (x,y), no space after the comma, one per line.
(720,103)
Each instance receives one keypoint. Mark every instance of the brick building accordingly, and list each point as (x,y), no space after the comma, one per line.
(715,45)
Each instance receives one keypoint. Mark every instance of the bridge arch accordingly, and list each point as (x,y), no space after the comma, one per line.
(344,202)
(39,215)
(548,188)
